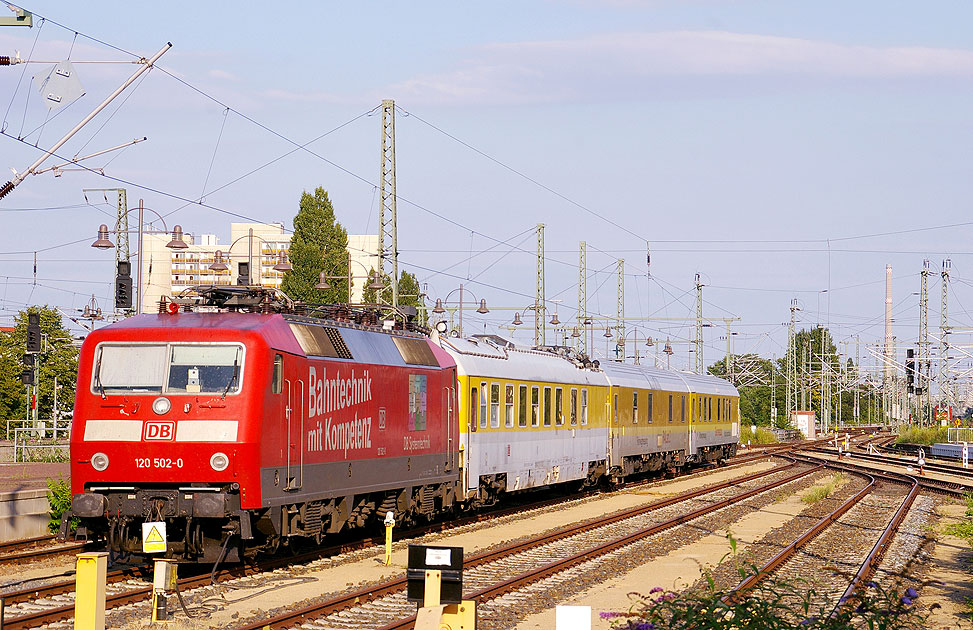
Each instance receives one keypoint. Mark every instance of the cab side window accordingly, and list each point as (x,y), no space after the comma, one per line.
(277,386)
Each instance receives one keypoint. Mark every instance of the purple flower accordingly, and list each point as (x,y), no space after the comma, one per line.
(871,585)
(808,621)
(610,615)
(911,593)
(907,601)
(657,589)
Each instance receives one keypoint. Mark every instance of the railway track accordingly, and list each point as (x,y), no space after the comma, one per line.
(16,551)
(505,576)
(50,602)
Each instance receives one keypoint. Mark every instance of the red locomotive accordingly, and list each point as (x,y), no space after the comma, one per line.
(243,429)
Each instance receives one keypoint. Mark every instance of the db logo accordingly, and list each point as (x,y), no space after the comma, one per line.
(159,430)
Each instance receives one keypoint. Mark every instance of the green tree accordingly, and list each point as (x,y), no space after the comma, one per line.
(754,377)
(319,244)
(410,294)
(58,359)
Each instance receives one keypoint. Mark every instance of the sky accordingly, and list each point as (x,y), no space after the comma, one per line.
(780,150)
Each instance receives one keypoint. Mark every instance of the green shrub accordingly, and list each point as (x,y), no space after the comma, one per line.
(920,435)
(59,498)
(816,493)
(762,436)
(964,530)
(773,604)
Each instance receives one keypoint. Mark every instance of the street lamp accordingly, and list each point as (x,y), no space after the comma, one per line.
(375,278)
(177,242)
(439,309)
(218,264)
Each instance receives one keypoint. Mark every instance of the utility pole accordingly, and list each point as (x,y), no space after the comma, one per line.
(923,372)
(858,363)
(729,353)
(888,374)
(945,391)
(773,391)
(792,360)
(699,326)
(620,312)
(540,323)
(387,220)
(583,296)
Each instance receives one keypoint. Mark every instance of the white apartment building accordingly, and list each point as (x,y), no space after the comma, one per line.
(168,272)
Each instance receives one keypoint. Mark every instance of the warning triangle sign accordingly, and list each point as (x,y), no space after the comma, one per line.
(154,536)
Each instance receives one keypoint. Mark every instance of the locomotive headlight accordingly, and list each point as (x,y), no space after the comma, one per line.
(99,461)
(161,405)
(219,461)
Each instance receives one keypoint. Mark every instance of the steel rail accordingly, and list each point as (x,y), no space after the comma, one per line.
(32,620)
(787,552)
(870,565)
(291,618)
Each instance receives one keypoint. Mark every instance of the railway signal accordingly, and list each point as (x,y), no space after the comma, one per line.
(123,286)
(33,332)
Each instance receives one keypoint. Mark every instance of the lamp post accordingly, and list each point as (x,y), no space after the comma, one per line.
(439,308)
(102,242)
(538,309)
(619,347)
(375,283)
(283,264)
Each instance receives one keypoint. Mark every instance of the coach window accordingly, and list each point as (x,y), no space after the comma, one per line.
(547,406)
(484,410)
(615,410)
(508,400)
(522,409)
(558,406)
(719,410)
(278,383)
(648,412)
(584,407)
(535,406)
(682,412)
(494,405)
(670,407)
(574,407)
(473,398)
(635,407)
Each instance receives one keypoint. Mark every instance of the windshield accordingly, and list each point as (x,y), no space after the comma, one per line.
(168,368)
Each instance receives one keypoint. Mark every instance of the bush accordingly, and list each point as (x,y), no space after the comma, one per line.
(772,604)
(816,493)
(59,498)
(964,530)
(921,435)
(762,436)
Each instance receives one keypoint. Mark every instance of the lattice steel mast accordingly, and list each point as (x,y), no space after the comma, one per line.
(540,323)
(583,296)
(387,220)
(945,391)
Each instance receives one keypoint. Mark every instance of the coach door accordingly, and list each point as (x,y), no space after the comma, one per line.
(294,418)
(449,411)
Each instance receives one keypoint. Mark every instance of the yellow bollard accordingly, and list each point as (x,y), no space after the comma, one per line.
(89,603)
(389,524)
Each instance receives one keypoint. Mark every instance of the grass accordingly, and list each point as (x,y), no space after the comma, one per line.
(964,530)
(817,493)
(921,435)
(762,436)
(775,603)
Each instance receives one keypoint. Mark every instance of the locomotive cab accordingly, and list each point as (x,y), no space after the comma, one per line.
(159,436)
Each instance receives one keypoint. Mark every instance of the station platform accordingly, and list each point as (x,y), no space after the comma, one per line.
(24,507)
